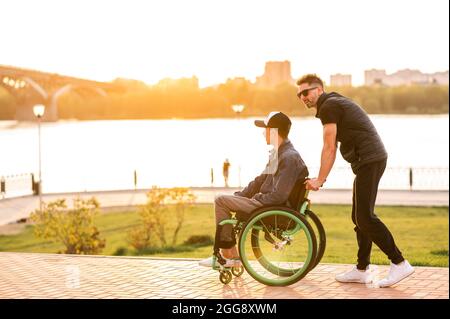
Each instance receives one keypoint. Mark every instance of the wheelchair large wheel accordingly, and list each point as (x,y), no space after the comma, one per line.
(320,232)
(277,246)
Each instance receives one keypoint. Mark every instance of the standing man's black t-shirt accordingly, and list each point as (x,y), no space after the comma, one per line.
(360,143)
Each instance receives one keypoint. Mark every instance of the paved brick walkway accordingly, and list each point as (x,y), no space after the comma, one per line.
(24,275)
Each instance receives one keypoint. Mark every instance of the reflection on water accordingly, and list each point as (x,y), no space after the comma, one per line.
(103,155)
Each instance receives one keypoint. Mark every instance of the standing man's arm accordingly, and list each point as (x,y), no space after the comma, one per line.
(328,157)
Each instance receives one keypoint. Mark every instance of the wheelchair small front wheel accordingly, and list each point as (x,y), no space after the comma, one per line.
(225,277)
(237,271)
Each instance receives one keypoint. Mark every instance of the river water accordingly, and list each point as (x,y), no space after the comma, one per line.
(103,155)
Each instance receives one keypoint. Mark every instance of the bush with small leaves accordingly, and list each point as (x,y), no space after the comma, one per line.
(155,217)
(74,227)
(199,240)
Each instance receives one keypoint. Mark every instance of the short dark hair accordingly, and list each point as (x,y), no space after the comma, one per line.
(310,79)
(284,132)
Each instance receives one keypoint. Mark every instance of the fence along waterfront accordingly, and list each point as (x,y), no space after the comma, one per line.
(394,178)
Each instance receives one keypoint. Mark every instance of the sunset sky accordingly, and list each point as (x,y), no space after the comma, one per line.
(215,40)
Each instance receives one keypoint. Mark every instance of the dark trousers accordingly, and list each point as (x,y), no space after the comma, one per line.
(369,228)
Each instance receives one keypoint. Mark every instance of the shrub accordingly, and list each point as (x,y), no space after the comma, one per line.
(154,216)
(74,228)
(121,251)
(199,240)
(183,198)
(140,237)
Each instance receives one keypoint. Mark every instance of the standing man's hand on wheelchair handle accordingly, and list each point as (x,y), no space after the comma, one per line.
(314,184)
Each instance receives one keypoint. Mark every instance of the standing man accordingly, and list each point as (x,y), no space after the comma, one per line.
(346,122)
(225,170)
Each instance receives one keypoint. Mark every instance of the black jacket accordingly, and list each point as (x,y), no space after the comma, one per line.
(360,142)
(276,188)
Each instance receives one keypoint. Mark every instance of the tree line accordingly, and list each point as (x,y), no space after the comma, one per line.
(184,99)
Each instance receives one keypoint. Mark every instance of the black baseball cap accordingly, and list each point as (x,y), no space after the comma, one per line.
(277,120)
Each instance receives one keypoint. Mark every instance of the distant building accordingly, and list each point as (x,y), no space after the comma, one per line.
(341,80)
(439,78)
(276,72)
(404,77)
(374,77)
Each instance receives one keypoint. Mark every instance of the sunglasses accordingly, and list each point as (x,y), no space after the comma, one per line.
(305,92)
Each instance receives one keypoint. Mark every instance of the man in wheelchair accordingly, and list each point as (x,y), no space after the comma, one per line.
(275,186)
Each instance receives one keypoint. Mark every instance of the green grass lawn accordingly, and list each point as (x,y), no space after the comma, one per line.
(421,233)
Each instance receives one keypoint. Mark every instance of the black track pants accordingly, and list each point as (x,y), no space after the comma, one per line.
(369,228)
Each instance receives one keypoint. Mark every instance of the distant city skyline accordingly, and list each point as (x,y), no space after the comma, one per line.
(340,78)
(277,72)
(215,40)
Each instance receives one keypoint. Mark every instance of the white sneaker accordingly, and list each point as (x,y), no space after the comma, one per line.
(372,268)
(208,262)
(396,274)
(356,275)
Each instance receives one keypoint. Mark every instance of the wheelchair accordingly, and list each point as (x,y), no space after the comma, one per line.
(277,245)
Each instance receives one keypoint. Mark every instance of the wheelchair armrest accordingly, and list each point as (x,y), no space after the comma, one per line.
(230,221)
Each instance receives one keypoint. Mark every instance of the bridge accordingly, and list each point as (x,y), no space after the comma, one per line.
(30,87)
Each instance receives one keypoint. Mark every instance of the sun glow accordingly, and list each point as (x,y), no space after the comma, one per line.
(216,40)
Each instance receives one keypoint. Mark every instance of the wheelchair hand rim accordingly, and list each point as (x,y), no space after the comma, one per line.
(285,280)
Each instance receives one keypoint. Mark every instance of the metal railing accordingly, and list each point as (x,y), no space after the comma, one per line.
(398,178)
(18,185)
(394,178)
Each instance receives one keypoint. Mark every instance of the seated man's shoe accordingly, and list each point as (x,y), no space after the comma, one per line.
(396,274)
(356,275)
(208,262)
